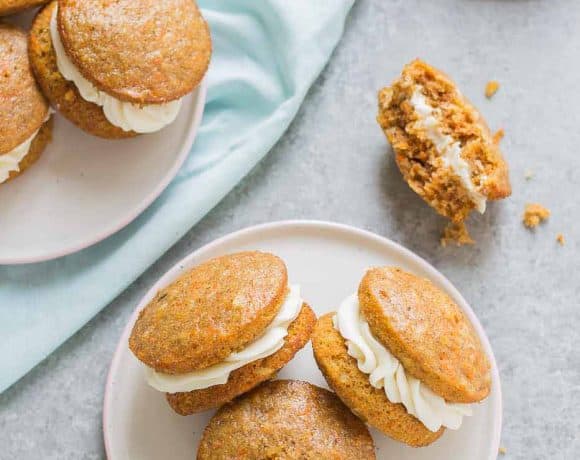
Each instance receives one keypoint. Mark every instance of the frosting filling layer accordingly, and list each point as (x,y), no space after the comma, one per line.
(385,371)
(267,344)
(125,115)
(447,148)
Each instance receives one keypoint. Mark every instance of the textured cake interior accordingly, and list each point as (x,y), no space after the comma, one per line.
(418,158)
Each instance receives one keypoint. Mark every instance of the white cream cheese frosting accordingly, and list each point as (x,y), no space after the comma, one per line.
(449,149)
(267,344)
(10,161)
(385,371)
(125,115)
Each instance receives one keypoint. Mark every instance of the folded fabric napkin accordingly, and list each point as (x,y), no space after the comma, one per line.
(266,55)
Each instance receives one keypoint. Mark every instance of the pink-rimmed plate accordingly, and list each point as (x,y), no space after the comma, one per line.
(327,260)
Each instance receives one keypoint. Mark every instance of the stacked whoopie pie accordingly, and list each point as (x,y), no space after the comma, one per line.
(119,68)
(220,330)
(402,356)
(25,121)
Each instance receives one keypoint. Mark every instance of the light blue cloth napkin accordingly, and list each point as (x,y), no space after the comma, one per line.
(266,55)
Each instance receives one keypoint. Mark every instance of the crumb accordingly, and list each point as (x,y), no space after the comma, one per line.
(560,239)
(502,450)
(456,233)
(491,88)
(498,136)
(528,174)
(534,214)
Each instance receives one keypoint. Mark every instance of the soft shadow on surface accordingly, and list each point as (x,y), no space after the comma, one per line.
(420,228)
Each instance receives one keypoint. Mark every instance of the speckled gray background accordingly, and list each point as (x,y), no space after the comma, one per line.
(334,164)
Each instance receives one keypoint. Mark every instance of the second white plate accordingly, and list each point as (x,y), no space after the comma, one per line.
(327,260)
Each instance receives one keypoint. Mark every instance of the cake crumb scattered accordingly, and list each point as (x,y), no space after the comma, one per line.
(456,233)
(528,174)
(502,450)
(498,136)
(535,214)
(560,239)
(491,88)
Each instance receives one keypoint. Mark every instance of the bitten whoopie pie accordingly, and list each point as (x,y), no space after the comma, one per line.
(15,6)
(122,67)
(286,420)
(25,124)
(221,329)
(442,144)
(403,356)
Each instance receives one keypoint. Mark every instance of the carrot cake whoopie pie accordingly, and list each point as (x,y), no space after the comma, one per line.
(442,145)
(119,68)
(220,330)
(402,356)
(14,6)
(286,420)
(25,121)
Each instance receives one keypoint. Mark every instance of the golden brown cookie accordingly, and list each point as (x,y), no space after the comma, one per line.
(353,387)
(37,146)
(422,160)
(427,332)
(286,420)
(23,108)
(62,93)
(251,375)
(211,311)
(142,51)
(14,6)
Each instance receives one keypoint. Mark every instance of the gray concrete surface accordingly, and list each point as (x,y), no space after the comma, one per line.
(334,164)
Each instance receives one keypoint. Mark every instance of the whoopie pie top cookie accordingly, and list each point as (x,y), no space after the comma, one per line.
(141,51)
(286,419)
(14,6)
(213,310)
(133,60)
(443,146)
(403,356)
(427,332)
(23,109)
(221,329)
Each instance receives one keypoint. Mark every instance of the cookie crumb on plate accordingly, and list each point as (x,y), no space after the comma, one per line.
(502,450)
(491,88)
(535,214)
(560,239)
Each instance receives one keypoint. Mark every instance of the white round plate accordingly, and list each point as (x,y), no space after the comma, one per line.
(83,188)
(327,260)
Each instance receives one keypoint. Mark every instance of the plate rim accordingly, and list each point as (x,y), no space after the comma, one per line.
(434,274)
(136,211)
